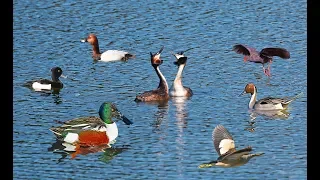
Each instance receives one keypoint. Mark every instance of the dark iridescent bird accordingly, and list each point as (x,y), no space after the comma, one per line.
(177,89)
(46,84)
(264,56)
(225,147)
(162,92)
(109,55)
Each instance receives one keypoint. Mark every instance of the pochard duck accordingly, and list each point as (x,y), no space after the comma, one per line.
(267,103)
(109,55)
(91,131)
(46,84)
(225,147)
(264,56)
(177,89)
(162,92)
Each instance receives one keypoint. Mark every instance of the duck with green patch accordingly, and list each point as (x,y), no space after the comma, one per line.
(90,131)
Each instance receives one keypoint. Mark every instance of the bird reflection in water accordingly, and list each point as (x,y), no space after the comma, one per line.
(181,113)
(271,114)
(181,122)
(161,114)
(66,149)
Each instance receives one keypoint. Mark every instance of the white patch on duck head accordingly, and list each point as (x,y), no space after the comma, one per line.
(225,145)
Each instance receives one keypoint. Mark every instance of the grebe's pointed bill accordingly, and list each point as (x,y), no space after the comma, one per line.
(160,51)
(177,55)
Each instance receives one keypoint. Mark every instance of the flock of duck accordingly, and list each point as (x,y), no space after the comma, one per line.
(87,132)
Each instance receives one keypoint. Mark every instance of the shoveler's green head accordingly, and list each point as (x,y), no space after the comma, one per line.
(109,110)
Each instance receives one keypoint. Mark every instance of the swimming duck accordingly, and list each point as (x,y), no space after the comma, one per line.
(90,131)
(109,55)
(267,103)
(264,56)
(162,92)
(225,147)
(177,89)
(45,84)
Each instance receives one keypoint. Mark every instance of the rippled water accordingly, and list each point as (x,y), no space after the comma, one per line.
(166,141)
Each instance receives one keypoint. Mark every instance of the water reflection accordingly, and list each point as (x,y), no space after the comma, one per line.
(181,116)
(273,114)
(66,149)
(250,126)
(181,113)
(161,114)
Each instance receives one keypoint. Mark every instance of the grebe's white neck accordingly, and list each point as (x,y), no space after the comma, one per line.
(163,82)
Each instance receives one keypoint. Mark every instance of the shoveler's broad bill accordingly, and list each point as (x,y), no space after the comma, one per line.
(267,103)
(225,147)
(90,131)
(162,92)
(46,84)
(177,89)
(109,55)
(264,56)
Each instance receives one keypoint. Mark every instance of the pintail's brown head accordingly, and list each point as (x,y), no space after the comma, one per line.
(250,88)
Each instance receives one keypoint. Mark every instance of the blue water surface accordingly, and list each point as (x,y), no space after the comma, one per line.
(168,140)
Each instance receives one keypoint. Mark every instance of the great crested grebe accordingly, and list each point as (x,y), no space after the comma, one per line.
(162,92)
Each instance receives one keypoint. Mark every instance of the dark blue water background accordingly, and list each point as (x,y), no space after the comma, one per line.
(166,141)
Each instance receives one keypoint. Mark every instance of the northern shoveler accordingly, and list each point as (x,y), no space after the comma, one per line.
(225,147)
(90,131)
(264,56)
(177,89)
(45,84)
(162,92)
(109,55)
(267,103)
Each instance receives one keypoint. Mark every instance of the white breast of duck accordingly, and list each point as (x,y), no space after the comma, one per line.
(113,55)
(110,129)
